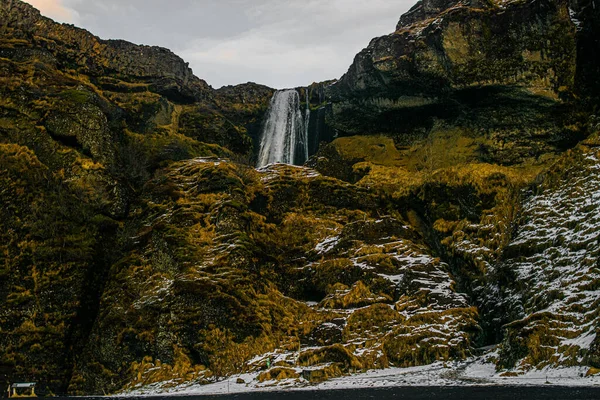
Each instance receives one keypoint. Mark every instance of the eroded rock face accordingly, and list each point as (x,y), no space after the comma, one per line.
(168,74)
(496,70)
(554,256)
(230,263)
(463,46)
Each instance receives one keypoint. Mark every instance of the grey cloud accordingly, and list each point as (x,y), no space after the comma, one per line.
(274,42)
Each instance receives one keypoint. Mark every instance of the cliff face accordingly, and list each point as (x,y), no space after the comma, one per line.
(506,65)
(137,246)
(84,123)
(441,48)
(80,50)
(466,107)
(232,264)
(554,255)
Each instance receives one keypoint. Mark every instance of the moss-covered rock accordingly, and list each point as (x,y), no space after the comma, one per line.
(138,247)
(54,257)
(553,257)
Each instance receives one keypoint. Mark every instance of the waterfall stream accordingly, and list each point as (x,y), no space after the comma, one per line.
(284,137)
(306,123)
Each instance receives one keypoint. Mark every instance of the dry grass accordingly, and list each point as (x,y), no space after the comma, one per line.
(358,296)
(149,371)
(278,374)
(336,354)
(371,321)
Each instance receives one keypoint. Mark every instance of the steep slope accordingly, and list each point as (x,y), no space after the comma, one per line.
(554,257)
(55,248)
(231,265)
(83,124)
(464,105)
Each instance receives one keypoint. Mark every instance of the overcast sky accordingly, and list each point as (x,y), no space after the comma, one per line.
(279,43)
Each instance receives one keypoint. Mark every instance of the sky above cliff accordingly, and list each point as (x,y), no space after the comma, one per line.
(278,43)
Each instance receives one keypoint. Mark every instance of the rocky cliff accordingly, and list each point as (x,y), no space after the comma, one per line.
(455,210)
(84,124)
(456,65)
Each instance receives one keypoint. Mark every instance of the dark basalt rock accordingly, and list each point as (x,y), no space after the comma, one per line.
(585,14)
(503,72)
(464,46)
(167,74)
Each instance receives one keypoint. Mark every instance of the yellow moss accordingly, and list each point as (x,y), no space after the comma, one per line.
(278,374)
(396,181)
(17,298)
(456,44)
(371,321)
(443,148)
(298,232)
(89,164)
(19,157)
(368,250)
(378,150)
(336,354)
(325,373)
(359,295)
(443,226)
(488,178)
(428,337)
(593,371)
(228,357)
(149,371)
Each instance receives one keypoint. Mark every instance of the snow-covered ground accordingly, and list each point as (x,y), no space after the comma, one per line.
(473,372)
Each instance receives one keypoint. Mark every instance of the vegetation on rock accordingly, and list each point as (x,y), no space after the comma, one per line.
(456,208)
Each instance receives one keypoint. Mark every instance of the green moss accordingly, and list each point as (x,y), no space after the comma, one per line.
(76,96)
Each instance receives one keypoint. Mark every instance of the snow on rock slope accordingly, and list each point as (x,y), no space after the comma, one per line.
(554,261)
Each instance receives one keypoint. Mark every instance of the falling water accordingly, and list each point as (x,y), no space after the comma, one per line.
(306,123)
(284,136)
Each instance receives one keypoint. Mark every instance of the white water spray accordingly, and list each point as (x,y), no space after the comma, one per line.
(306,123)
(284,138)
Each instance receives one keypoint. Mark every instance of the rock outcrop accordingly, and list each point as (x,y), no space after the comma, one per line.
(70,47)
(442,48)
(503,72)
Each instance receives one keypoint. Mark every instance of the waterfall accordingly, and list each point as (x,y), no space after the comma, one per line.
(284,135)
(306,123)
